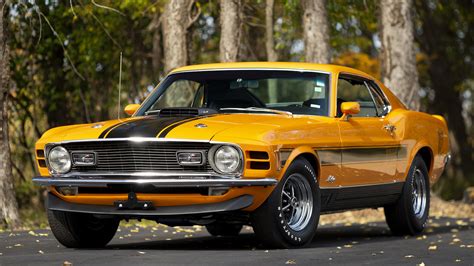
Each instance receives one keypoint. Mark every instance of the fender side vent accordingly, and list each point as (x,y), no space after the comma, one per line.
(260,155)
(260,165)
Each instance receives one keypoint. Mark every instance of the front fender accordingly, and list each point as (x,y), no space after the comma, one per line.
(309,154)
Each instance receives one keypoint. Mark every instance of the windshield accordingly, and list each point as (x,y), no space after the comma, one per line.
(236,90)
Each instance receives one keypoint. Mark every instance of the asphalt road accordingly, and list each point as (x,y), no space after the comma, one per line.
(445,242)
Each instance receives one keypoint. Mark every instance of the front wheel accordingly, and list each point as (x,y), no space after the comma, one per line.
(290,216)
(81,230)
(409,214)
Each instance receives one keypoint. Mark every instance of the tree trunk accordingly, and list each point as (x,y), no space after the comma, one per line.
(316,31)
(174,27)
(399,71)
(157,46)
(231,30)
(269,40)
(8,206)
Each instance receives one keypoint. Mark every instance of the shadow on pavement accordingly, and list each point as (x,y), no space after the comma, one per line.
(327,236)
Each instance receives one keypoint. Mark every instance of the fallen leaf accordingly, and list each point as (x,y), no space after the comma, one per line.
(290,262)
(421,264)
(434,247)
(40,252)
(141,252)
(347,246)
(18,245)
(457,260)
(409,256)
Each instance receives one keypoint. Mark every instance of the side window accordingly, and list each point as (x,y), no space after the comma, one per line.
(381,103)
(355,90)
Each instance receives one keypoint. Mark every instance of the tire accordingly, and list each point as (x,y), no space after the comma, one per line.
(81,230)
(409,214)
(223,229)
(272,222)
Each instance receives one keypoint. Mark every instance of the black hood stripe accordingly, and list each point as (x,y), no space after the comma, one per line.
(104,133)
(165,131)
(149,126)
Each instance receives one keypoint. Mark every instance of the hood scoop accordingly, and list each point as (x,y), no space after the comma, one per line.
(186,111)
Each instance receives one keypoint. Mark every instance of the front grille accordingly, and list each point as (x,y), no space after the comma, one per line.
(130,156)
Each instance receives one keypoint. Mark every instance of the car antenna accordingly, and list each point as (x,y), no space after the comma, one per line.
(119,86)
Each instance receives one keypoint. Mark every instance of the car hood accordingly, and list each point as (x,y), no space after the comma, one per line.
(245,126)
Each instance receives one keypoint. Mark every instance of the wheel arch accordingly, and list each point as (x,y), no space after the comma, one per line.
(307,153)
(427,155)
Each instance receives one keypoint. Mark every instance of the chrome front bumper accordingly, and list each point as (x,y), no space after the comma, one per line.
(213,181)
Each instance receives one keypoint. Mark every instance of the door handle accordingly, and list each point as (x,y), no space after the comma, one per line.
(390,128)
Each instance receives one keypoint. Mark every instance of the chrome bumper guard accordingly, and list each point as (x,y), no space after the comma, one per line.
(157,182)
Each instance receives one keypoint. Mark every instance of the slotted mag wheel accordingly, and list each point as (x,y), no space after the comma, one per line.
(418,193)
(296,202)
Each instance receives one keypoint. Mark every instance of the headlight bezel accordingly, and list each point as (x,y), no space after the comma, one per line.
(212,160)
(52,170)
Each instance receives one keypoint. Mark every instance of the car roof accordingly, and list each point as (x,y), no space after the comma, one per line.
(273,65)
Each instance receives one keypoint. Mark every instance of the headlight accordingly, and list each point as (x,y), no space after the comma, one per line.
(227,160)
(59,160)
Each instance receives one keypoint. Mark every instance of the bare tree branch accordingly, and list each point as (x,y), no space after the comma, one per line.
(108,8)
(72,8)
(193,19)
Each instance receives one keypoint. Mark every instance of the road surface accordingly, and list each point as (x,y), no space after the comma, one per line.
(445,242)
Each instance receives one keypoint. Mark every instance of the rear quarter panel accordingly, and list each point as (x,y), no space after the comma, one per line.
(417,130)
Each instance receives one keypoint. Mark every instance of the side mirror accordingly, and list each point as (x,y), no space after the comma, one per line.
(131,109)
(348,109)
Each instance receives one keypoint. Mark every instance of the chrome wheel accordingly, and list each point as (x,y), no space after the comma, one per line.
(419,193)
(296,202)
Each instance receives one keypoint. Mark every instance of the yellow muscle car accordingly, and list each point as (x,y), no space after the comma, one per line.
(270,145)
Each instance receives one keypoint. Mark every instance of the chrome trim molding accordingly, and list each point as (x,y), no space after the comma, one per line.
(365,185)
(102,182)
(296,69)
(144,174)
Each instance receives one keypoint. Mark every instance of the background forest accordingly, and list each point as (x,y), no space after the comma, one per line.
(64,60)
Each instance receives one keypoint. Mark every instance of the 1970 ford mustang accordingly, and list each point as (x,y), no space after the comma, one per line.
(271,145)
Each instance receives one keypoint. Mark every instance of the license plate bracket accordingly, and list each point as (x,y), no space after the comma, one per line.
(132,203)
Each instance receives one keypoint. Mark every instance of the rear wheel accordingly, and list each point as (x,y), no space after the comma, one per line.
(81,230)
(290,216)
(224,229)
(409,214)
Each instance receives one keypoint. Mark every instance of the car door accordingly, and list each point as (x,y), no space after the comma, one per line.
(369,150)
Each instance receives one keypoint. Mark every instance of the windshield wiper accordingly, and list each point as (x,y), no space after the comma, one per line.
(152,112)
(257,109)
